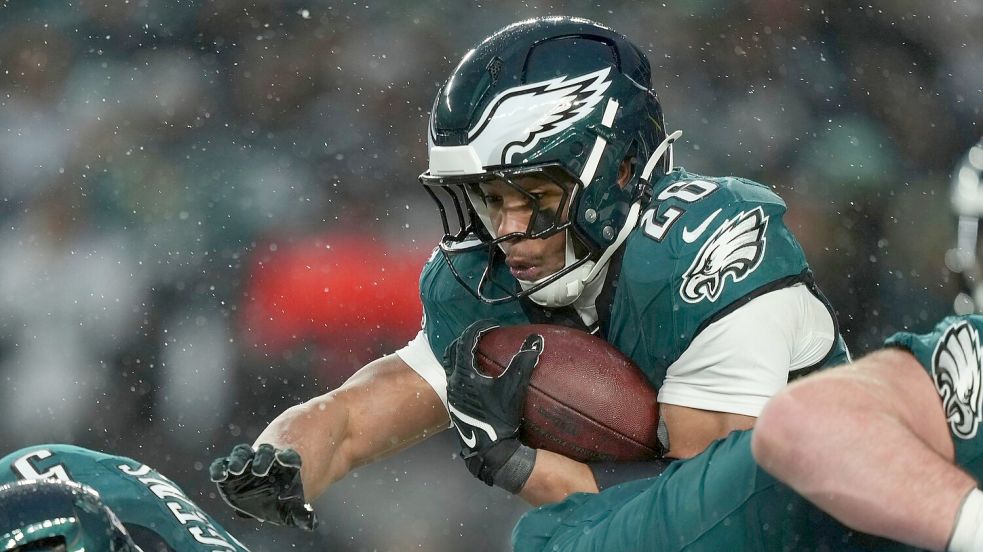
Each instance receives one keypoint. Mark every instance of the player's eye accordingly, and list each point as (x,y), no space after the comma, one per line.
(546,199)
(491,200)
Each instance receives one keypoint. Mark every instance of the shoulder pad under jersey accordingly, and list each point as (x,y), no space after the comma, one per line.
(705,246)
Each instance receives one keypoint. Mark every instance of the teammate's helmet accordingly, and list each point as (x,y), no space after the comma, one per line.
(562,99)
(967,202)
(48,515)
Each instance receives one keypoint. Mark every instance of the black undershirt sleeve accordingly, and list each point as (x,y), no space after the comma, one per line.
(609,474)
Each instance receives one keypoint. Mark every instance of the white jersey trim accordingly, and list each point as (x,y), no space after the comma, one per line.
(420,358)
(738,362)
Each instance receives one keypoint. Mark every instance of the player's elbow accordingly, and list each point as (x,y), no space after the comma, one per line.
(781,434)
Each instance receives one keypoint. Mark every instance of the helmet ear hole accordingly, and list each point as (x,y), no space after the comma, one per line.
(629,165)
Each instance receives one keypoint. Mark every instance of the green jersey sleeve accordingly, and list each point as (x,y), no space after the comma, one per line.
(139,495)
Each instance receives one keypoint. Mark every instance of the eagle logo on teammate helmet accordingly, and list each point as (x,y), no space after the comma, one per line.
(734,249)
(519,118)
(957,372)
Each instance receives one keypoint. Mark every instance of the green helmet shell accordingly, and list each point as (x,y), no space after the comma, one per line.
(558,90)
(62,512)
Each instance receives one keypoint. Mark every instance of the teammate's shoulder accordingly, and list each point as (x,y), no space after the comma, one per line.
(953,357)
(51,449)
(963,330)
(57,460)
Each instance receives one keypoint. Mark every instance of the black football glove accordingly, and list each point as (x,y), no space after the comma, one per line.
(487,411)
(264,484)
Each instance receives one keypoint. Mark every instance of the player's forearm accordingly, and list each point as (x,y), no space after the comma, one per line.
(316,429)
(383,408)
(555,477)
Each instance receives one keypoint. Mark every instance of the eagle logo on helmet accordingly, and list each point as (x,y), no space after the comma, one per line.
(957,372)
(516,120)
(734,249)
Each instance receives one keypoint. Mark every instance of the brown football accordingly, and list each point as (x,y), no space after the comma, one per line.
(586,400)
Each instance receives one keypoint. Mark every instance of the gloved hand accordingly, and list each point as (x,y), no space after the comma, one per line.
(264,484)
(487,411)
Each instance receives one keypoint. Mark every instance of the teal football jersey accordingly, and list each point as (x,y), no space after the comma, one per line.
(704,247)
(143,499)
(952,356)
(718,500)
(722,500)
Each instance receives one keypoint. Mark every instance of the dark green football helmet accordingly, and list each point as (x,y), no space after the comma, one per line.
(558,98)
(58,516)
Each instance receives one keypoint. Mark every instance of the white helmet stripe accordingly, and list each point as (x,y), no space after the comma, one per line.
(595,155)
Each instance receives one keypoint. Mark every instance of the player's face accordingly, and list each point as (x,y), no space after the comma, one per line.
(512,211)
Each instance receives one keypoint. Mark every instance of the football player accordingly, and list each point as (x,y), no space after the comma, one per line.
(133,502)
(916,410)
(552,171)
(58,516)
(889,446)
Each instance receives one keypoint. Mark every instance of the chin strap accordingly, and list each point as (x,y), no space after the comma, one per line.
(570,286)
(565,290)
(630,222)
(666,145)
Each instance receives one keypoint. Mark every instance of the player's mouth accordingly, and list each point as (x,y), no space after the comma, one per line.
(524,269)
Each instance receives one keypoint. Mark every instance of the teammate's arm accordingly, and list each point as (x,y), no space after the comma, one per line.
(856,438)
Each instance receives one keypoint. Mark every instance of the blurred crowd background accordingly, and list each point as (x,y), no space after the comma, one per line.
(209,209)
